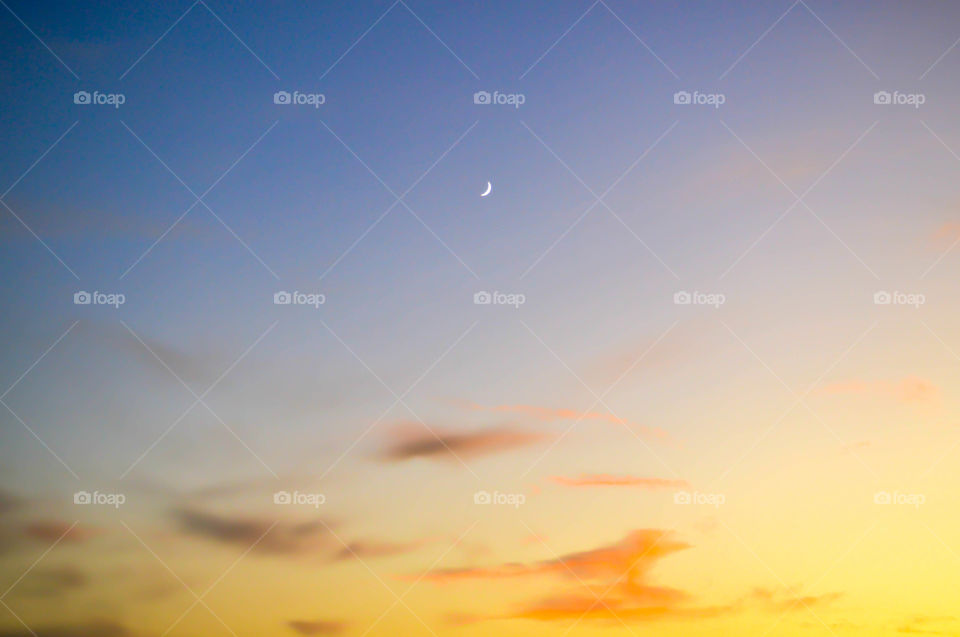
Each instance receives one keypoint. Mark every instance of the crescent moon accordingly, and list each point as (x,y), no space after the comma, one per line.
(487,191)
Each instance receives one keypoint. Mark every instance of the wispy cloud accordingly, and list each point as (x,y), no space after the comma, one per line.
(606,480)
(928,625)
(412,440)
(853,447)
(270,536)
(612,582)
(618,573)
(947,233)
(911,389)
(366,549)
(50,582)
(9,502)
(633,556)
(317,627)
(555,414)
(549,414)
(95,629)
(48,531)
(787,599)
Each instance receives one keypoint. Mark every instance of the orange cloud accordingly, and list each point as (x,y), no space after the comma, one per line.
(618,572)
(947,233)
(412,440)
(610,609)
(612,583)
(605,480)
(911,389)
(631,557)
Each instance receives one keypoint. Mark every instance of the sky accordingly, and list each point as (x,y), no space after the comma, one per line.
(426,318)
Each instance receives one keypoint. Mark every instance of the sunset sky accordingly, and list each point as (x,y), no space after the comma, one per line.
(273,366)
